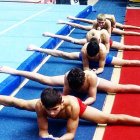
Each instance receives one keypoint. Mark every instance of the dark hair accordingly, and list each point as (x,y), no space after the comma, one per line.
(93,47)
(50,97)
(76,78)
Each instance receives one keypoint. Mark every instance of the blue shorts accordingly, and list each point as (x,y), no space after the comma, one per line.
(108,61)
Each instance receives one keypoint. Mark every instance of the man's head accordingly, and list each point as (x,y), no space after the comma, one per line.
(76,78)
(93,47)
(51,99)
(101,18)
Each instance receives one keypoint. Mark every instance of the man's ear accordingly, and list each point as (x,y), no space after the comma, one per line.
(62,101)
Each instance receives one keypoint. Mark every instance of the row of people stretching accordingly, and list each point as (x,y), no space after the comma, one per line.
(52,104)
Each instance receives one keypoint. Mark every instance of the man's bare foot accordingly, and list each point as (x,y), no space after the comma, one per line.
(61,22)
(71,17)
(8,70)
(31,47)
(47,34)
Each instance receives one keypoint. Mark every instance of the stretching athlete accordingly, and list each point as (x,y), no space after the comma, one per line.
(91,52)
(78,81)
(102,35)
(53,105)
(103,21)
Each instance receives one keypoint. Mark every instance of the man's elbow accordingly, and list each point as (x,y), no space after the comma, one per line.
(93,99)
(68,136)
(90,100)
(43,133)
(72,136)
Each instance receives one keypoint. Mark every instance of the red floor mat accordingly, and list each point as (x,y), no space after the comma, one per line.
(127,103)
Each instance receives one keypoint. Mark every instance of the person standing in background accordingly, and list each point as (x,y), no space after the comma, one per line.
(83,2)
(62,1)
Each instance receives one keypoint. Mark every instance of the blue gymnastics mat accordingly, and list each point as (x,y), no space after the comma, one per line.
(22,124)
(23,24)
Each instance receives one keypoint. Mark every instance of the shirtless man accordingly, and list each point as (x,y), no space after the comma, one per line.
(103,21)
(91,52)
(102,35)
(78,81)
(53,105)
